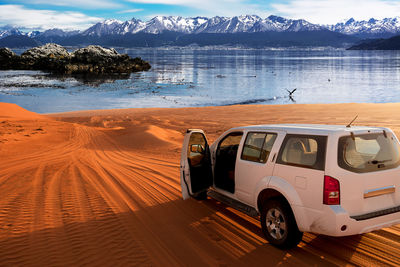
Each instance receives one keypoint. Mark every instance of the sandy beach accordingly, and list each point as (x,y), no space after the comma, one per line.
(102,188)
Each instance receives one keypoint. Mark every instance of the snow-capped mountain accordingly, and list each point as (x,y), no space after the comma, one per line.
(156,25)
(57,32)
(9,30)
(159,24)
(219,25)
(106,27)
(383,27)
(248,30)
(33,34)
(130,26)
(228,25)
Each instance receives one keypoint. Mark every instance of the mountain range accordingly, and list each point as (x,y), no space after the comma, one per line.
(175,30)
(238,24)
(372,28)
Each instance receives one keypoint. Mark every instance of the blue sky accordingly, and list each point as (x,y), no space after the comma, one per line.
(80,14)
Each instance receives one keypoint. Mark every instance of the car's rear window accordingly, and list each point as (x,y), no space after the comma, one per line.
(368,152)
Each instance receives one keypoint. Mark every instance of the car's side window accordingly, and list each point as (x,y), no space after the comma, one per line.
(306,151)
(257,146)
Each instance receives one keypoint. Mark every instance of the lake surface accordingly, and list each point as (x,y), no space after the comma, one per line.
(200,77)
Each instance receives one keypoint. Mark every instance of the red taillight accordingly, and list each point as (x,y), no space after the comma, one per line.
(331,191)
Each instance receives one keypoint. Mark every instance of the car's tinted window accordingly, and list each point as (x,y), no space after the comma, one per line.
(306,151)
(368,152)
(232,140)
(258,146)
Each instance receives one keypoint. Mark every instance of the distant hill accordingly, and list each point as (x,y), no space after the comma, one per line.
(169,38)
(379,44)
(17,41)
(269,39)
(254,40)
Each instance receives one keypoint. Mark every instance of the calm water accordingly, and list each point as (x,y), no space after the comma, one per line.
(184,77)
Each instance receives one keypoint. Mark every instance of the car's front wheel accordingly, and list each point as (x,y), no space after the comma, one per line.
(279,225)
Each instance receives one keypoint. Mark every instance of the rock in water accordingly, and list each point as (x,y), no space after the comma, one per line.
(50,57)
(8,59)
(97,59)
(45,52)
(94,54)
(89,60)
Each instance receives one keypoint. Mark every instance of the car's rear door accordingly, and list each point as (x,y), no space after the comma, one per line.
(301,163)
(195,167)
(369,173)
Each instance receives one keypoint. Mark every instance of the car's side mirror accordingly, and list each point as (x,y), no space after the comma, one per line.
(196,148)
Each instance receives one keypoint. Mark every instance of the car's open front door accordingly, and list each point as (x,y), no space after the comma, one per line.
(196,173)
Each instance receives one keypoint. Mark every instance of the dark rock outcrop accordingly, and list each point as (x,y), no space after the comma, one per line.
(8,59)
(97,59)
(89,60)
(51,57)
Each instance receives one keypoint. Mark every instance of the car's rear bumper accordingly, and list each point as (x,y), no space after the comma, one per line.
(335,221)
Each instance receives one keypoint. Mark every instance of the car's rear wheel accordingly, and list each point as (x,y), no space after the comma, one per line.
(279,225)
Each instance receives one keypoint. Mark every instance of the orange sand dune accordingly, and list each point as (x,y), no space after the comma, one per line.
(102,188)
(13,111)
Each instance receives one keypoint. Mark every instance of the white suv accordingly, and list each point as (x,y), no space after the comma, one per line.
(326,179)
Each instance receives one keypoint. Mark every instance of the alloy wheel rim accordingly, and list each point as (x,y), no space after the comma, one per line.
(276,224)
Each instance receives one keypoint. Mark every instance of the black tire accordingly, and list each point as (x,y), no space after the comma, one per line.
(201,196)
(279,225)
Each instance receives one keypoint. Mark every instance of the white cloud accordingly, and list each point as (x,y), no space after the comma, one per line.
(214,7)
(169,2)
(331,12)
(130,11)
(77,3)
(22,17)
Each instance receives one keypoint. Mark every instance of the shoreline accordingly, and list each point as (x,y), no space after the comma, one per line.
(205,107)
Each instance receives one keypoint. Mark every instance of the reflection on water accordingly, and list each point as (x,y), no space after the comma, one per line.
(90,79)
(185,77)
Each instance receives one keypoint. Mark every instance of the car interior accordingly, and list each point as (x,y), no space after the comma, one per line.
(199,162)
(225,162)
(301,151)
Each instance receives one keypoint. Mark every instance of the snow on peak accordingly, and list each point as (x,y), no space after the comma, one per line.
(112,21)
(8,30)
(383,27)
(105,27)
(217,24)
